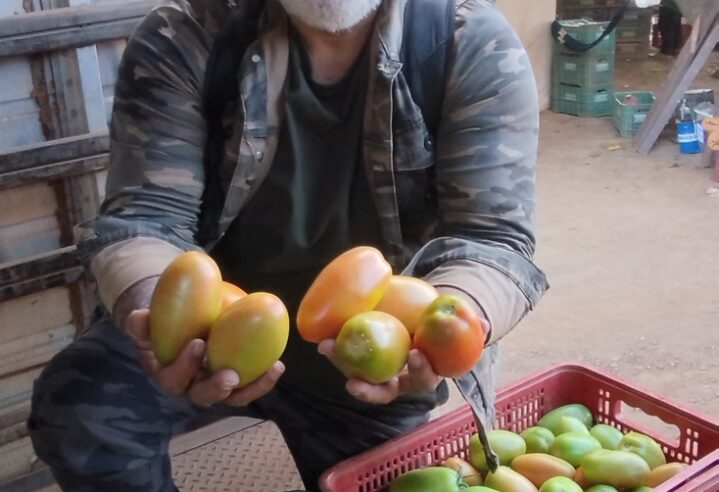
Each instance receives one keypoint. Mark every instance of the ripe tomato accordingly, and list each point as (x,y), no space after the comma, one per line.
(450,335)
(249,336)
(230,294)
(186,301)
(372,346)
(406,299)
(351,284)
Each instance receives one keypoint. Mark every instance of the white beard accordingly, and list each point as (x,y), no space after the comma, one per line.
(331,15)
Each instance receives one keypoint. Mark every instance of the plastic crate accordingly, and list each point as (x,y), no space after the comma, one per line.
(583,70)
(597,14)
(628,118)
(519,406)
(632,51)
(634,35)
(587,31)
(582,101)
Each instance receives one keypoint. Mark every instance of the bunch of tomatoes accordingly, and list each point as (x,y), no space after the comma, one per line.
(564,452)
(375,317)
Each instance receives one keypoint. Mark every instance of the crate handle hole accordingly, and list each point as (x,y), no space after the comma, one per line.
(653,426)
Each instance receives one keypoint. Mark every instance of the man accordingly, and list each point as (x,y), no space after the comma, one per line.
(670,28)
(325,150)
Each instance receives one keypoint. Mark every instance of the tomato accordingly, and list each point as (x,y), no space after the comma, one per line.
(406,299)
(560,484)
(620,469)
(601,488)
(538,439)
(608,436)
(552,419)
(539,468)
(506,444)
(643,446)
(570,424)
(470,475)
(431,479)
(186,301)
(662,473)
(230,294)
(573,446)
(351,284)
(506,479)
(450,335)
(249,336)
(372,346)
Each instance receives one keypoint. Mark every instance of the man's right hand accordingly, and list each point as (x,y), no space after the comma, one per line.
(188,375)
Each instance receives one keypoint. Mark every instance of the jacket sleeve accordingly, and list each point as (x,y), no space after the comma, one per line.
(156,175)
(485,164)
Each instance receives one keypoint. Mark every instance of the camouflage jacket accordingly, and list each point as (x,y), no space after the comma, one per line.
(458,212)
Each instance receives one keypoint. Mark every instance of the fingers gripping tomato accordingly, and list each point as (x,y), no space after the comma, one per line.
(351,284)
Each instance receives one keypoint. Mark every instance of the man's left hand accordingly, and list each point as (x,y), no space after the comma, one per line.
(416,376)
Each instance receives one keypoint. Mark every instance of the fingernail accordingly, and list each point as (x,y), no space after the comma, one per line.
(231,382)
(198,349)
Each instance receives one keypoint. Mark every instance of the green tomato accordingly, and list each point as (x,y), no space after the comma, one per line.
(431,479)
(576,410)
(620,469)
(573,446)
(537,439)
(643,446)
(570,424)
(506,479)
(372,346)
(479,488)
(560,484)
(601,488)
(607,435)
(506,444)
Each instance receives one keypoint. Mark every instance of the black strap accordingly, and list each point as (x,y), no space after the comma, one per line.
(561,35)
(426,49)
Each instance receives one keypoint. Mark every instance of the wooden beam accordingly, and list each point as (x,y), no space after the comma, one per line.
(686,68)
(53,269)
(56,170)
(53,151)
(70,27)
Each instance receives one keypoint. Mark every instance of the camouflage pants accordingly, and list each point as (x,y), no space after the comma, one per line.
(102,425)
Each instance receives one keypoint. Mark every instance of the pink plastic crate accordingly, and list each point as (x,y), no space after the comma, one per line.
(685,436)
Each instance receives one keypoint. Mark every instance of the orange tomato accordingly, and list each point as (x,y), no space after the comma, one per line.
(249,336)
(450,335)
(351,284)
(186,301)
(230,294)
(406,299)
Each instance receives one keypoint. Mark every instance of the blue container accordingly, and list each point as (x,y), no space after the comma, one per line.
(688,141)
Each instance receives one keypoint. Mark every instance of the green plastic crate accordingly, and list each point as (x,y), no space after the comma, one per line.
(636,18)
(628,118)
(587,31)
(633,51)
(583,70)
(582,101)
(637,34)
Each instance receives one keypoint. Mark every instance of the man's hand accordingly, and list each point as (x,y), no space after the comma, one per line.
(416,376)
(188,376)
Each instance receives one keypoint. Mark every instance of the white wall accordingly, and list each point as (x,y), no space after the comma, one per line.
(532,19)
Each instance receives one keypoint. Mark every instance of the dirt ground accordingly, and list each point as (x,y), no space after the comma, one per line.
(630,245)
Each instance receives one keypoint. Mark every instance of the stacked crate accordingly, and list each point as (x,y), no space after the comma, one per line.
(634,34)
(583,82)
(597,10)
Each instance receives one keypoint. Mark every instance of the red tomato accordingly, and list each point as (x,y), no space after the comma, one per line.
(249,336)
(351,284)
(450,335)
(406,299)
(373,346)
(230,294)
(186,301)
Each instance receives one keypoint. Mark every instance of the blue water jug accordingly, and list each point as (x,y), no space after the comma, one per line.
(688,141)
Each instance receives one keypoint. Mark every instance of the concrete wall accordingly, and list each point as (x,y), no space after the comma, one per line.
(531,19)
